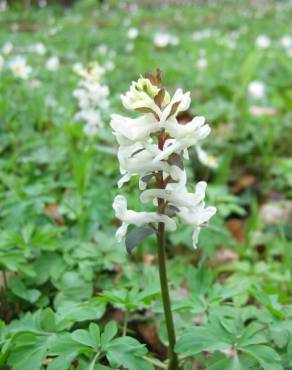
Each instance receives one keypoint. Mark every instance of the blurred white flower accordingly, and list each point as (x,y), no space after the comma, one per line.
(7,47)
(34,83)
(163,39)
(92,72)
(102,49)
(201,35)
(256,89)
(53,63)
(3,5)
(133,33)
(50,101)
(19,67)
(109,65)
(39,48)
(92,97)
(205,158)
(202,63)
(42,3)
(289,53)
(263,42)
(129,47)
(286,41)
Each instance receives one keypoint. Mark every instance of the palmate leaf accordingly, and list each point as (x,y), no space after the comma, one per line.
(266,356)
(127,352)
(29,353)
(199,339)
(234,363)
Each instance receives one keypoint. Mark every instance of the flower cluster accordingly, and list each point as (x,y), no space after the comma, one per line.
(152,147)
(92,97)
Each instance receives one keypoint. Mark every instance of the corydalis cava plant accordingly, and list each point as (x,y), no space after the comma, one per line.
(91,96)
(153,147)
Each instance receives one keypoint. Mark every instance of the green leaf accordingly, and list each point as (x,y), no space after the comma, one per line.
(199,339)
(233,363)
(109,332)
(84,337)
(136,236)
(29,353)
(62,363)
(267,357)
(127,352)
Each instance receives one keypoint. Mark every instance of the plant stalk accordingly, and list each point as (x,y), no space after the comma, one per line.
(173,361)
(125,325)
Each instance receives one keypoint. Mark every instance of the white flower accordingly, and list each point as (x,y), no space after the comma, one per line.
(39,48)
(92,117)
(7,48)
(102,49)
(151,147)
(202,63)
(163,39)
(53,63)
(196,216)
(139,219)
(178,197)
(134,129)
(205,158)
(129,47)
(133,33)
(1,62)
(109,65)
(286,41)
(256,89)
(90,130)
(201,35)
(92,72)
(263,42)
(184,136)
(19,68)
(141,95)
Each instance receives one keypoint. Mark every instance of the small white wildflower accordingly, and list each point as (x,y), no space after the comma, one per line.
(109,65)
(53,63)
(206,159)
(286,41)
(102,49)
(7,48)
(39,48)
(133,33)
(263,42)
(129,47)
(256,89)
(202,63)
(19,67)
(163,39)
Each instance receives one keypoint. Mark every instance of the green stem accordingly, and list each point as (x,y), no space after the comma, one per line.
(5,282)
(125,326)
(173,361)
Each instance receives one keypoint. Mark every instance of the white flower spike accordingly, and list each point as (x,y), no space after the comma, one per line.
(152,147)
